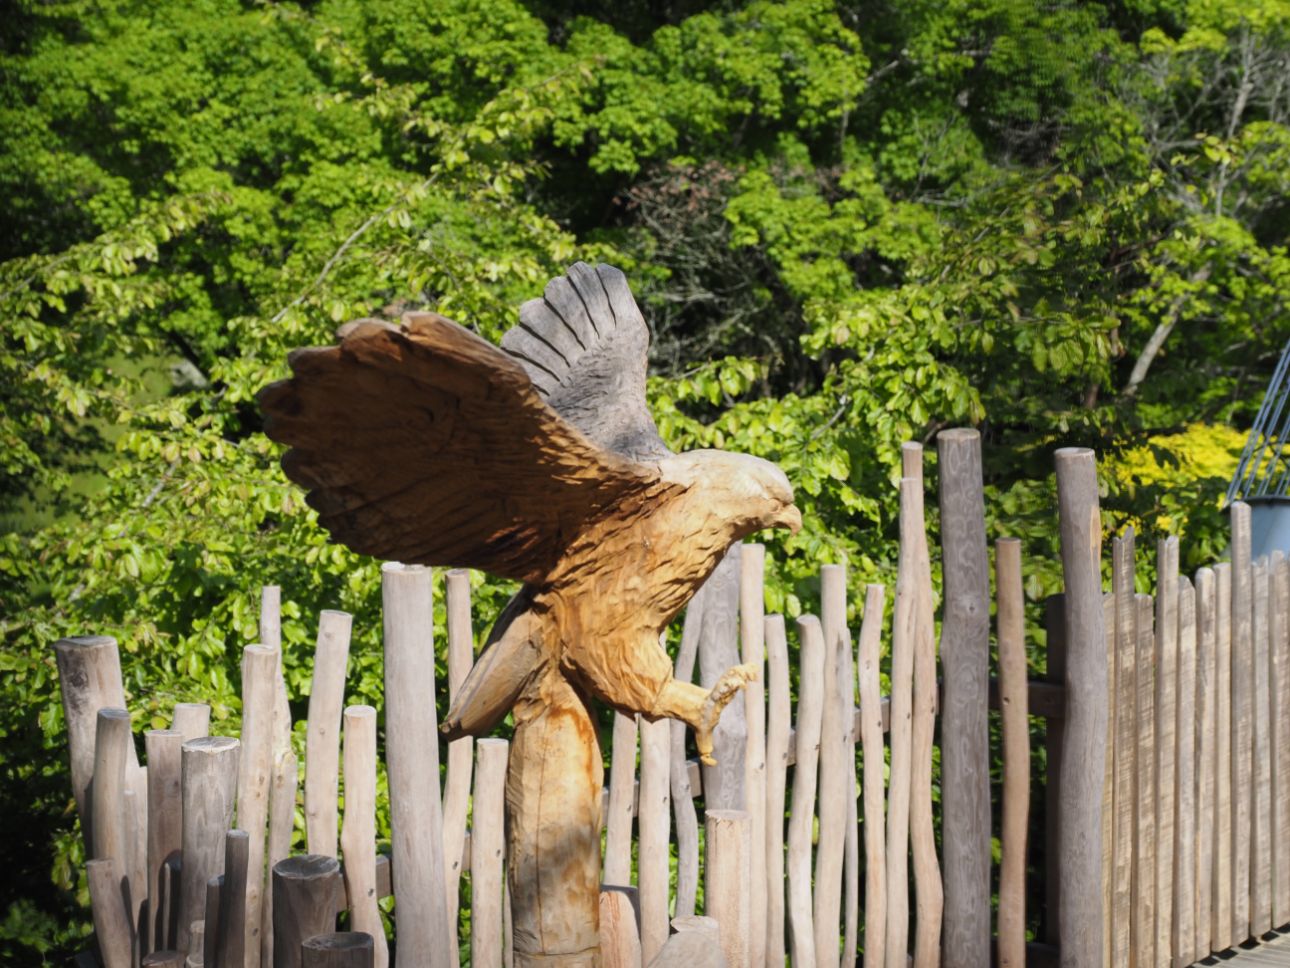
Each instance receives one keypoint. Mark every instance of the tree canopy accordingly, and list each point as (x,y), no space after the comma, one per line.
(849,225)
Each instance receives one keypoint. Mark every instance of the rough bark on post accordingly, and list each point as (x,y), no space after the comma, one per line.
(965,661)
(1084,752)
(412,755)
(302,904)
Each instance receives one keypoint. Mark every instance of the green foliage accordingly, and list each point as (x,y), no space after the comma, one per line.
(851,225)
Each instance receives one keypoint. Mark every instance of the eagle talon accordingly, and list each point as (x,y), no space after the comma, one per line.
(717,699)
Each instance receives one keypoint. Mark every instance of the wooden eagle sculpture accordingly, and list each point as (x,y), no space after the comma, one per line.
(537,461)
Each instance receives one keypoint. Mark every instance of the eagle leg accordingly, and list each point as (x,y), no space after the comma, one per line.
(700,707)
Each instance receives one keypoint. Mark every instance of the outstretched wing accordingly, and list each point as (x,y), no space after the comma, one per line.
(585,346)
(426,444)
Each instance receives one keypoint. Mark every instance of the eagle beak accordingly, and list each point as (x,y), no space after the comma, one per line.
(790,517)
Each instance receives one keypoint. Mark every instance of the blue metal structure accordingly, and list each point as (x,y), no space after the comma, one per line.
(1262,478)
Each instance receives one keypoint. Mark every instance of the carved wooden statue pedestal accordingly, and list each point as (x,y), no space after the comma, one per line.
(539,462)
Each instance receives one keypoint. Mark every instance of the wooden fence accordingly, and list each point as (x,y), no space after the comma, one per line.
(1154,818)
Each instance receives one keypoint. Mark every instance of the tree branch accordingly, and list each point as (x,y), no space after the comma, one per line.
(1157,340)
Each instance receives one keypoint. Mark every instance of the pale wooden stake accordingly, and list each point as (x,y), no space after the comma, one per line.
(1084,753)
(1108,786)
(1279,661)
(461,752)
(687,822)
(191,720)
(1184,903)
(234,914)
(1261,770)
(165,825)
(727,881)
(654,818)
(110,823)
(1221,927)
(1055,673)
(341,949)
(928,891)
(835,726)
(302,904)
(716,604)
(1206,686)
(322,732)
(1126,746)
(810,708)
(164,959)
(617,867)
(286,779)
(965,738)
(620,942)
(112,927)
(1166,738)
(1016,753)
(875,922)
(197,932)
(210,765)
(752,648)
(255,780)
(1242,718)
(778,725)
(211,917)
(358,832)
(412,756)
(486,850)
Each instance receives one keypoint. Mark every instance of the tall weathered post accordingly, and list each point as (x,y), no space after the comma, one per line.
(1083,765)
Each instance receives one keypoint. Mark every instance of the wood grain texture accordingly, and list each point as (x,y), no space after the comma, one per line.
(1279,675)
(230,934)
(110,820)
(1108,787)
(487,846)
(322,732)
(655,817)
(620,942)
(302,905)
(928,891)
(255,779)
(717,606)
(870,713)
(461,751)
(1183,935)
(778,725)
(621,809)
(108,905)
(1261,769)
(1084,752)
(904,638)
(835,726)
(165,825)
(965,661)
(810,709)
(752,652)
(1242,718)
(727,881)
(1016,753)
(1221,934)
(1206,701)
(358,831)
(1125,743)
(412,757)
(210,766)
(285,781)
(1166,739)
(89,679)
(191,719)
(341,949)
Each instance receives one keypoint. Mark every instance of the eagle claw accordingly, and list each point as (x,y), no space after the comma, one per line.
(717,699)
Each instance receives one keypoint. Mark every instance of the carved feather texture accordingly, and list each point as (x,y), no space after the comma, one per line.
(426,444)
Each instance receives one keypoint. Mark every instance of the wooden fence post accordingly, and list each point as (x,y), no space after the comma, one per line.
(1166,738)
(461,751)
(303,905)
(752,650)
(487,845)
(1016,753)
(342,949)
(717,606)
(1084,752)
(727,881)
(112,926)
(875,849)
(778,725)
(837,716)
(1126,746)
(209,766)
(234,915)
(654,824)
(322,731)
(412,755)
(1242,718)
(358,830)
(965,736)
(1221,924)
(1261,769)
(255,780)
(165,826)
(810,703)
(1206,686)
